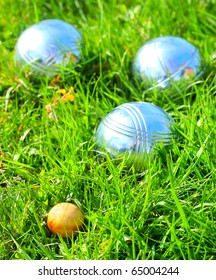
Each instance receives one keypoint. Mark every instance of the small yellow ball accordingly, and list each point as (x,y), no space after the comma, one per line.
(65,219)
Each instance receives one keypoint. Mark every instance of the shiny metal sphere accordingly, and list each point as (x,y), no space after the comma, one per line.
(165,59)
(134,129)
(49,47)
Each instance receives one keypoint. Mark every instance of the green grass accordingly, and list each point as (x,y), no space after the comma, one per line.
(166,211)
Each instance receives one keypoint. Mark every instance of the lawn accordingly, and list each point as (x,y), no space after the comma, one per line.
(165,211)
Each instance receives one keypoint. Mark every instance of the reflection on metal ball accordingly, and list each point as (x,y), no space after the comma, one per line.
(165,59)
(48,47)
(134,129)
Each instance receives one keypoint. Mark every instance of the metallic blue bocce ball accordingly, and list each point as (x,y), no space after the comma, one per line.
(165,59)
(48,47)
(134,129)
